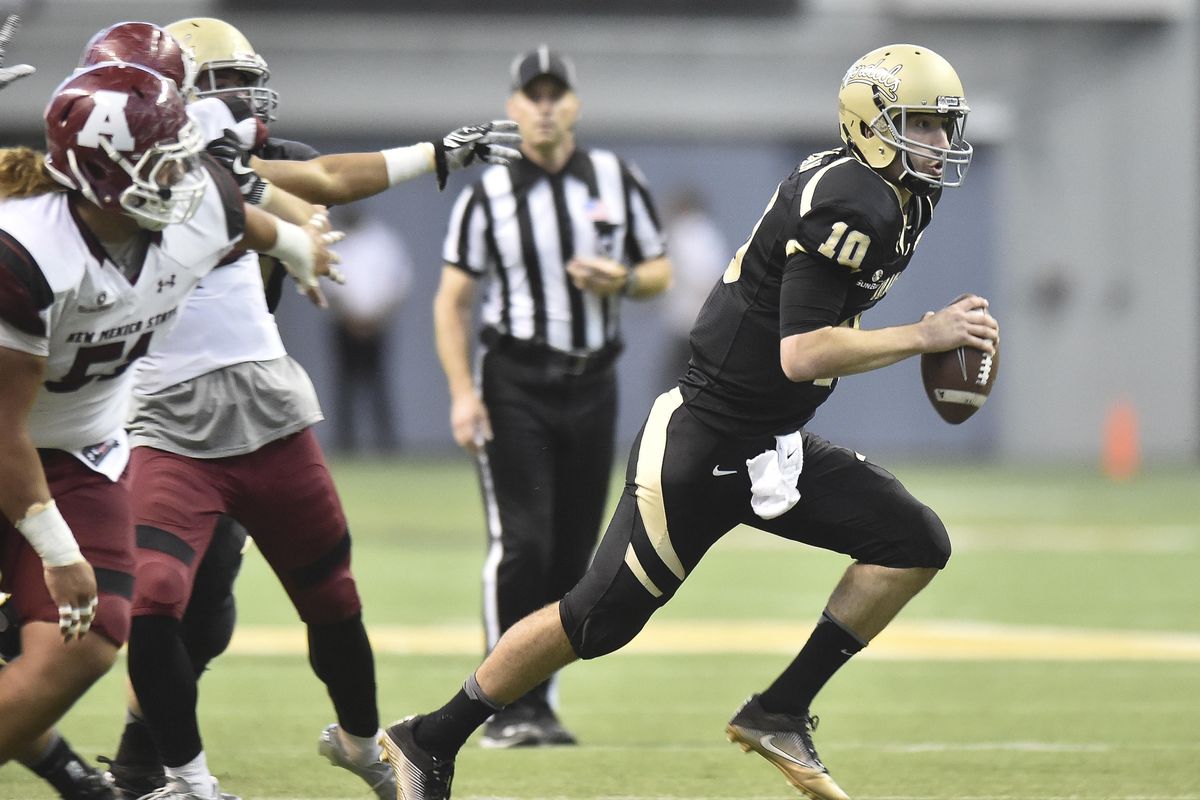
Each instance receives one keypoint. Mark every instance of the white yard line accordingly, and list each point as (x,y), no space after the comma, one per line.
(903,641)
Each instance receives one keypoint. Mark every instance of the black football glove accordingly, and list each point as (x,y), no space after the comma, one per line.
(16,71)
(495,142)
(235,157)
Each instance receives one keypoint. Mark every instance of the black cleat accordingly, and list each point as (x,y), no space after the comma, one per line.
(525,725)
(419,774)
(132,781)
(87,784)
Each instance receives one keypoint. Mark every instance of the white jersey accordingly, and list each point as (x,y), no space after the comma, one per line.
(226,320)
(63,298)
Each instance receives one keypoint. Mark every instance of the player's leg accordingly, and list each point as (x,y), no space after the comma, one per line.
(665,521)
(49,676)
(211,613)
(206,630)
(177,503)
(38,687)
(854,507)
(289,505)
(52,759)
(50,756)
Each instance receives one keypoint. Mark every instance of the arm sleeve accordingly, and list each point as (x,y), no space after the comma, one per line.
(812,294)
(468,242)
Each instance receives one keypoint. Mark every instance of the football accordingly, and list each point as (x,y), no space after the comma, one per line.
(959,381)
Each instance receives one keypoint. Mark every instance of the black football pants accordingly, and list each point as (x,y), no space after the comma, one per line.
(544,479)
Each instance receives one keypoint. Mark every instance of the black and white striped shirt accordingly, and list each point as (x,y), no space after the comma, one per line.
(519,226)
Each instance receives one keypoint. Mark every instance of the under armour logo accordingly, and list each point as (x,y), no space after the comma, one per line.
(163,284)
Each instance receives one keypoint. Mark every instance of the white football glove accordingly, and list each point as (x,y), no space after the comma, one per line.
(16,71)
(495,142)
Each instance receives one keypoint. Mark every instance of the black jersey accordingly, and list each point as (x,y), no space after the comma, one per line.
(833,240)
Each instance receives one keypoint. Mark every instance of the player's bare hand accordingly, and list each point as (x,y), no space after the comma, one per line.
(73,590)
(966,321)
(602,277)
(469,422)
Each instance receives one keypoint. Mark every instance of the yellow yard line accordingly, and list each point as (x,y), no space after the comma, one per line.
(913,641)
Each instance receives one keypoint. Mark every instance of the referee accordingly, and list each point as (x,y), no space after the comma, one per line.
(554,241)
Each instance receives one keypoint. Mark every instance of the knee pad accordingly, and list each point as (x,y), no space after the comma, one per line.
(323,591)
(161,588)
(929,543)
(206,636)
(605,626)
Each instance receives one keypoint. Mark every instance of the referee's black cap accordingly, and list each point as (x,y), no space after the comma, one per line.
(542,61)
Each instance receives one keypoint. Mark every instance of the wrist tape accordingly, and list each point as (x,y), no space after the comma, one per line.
(49,536)
(406,163)
(294,248)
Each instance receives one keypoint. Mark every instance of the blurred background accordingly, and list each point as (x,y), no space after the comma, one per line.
(1080,218)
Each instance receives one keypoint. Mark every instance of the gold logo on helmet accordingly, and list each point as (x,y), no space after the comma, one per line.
(888,81)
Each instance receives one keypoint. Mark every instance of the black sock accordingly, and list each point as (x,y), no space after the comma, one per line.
(340,655)
(829,647)
(62,768)
(137,745)
(443,732)
(162,676)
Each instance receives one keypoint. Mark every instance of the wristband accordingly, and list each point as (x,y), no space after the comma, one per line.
(49,536)
(406,163)
(294,248)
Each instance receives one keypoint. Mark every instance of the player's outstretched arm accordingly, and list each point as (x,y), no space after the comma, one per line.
(340,178)
(16,71)
(25,497)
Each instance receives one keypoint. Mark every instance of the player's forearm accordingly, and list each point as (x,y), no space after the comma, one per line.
(834,352)
(287,206)
(342,178)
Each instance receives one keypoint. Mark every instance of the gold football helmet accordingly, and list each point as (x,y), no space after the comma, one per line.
(878,93)
(215,46)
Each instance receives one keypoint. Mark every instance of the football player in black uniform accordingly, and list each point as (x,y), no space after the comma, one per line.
(728,445)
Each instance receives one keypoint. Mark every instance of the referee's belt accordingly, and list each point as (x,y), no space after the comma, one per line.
(554,362)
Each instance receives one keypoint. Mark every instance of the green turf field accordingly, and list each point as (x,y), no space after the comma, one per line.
(1058,657)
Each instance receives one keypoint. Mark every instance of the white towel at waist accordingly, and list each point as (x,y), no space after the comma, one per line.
(773,476)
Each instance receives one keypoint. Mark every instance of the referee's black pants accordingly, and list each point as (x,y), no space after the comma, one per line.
(544,478)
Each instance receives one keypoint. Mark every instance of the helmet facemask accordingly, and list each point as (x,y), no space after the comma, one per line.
(890,126)
(167,181)
(262,99)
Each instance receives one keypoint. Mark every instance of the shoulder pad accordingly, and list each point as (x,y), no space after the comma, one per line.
(847,214)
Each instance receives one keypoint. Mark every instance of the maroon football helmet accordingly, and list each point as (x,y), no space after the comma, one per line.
(119,134)
(142,43)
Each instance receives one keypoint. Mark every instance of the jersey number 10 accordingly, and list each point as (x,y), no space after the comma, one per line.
(846,247)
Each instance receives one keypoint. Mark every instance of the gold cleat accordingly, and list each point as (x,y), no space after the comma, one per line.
(786,742)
